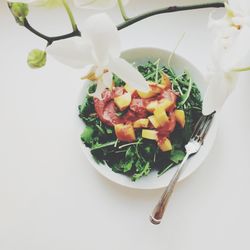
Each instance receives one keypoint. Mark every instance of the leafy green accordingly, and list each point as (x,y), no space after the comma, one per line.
(127,166)
(141,170)
(186,95)
(177,156)
(87,134)
(117,81)
(139,158)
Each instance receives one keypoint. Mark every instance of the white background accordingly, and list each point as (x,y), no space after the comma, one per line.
(52,199)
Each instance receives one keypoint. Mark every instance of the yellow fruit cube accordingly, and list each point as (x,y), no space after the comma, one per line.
(141,123)
(165,104)
(165,81)
(154,122)
(149,134)
(152,106)
(180,117)
(165,145)
(129,89)
(161,116)
(125,132)
(123,101)
(147,94)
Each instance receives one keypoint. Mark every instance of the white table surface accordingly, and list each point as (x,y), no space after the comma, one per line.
(52,199)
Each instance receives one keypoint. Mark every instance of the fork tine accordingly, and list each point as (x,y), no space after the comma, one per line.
(198,126)
(206,127)
(202,126)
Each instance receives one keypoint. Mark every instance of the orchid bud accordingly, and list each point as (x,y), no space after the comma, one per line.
(37,58)
(20,11)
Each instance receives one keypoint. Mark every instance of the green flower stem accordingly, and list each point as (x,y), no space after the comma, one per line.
(122,10)
(70,14)
(34,31)
(50,39)
(242,69)
(168,10)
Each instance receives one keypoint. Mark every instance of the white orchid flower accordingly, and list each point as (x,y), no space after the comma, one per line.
(231,50)
(99,46)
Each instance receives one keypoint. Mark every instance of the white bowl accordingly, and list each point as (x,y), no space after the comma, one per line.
(152,181)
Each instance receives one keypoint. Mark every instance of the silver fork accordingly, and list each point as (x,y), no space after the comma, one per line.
(192,147)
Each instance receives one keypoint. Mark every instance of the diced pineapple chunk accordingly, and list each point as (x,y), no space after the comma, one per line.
(161,116)
(165,145)
(149,134)
(141,123)
(165,104)
(129,89)
(147,94)
(180,117)
(123,101)
(165,81)
(152,106)
(125,132)
(154,122)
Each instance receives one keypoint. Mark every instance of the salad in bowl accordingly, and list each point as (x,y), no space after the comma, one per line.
(140,136)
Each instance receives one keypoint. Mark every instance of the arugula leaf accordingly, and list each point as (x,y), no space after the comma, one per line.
(92,88)
(130,153)
(127,166)
(86,106)
(117,81)
(103,145)
(87,134)
(177,156)
(144,170)
(185,96)
(109,131)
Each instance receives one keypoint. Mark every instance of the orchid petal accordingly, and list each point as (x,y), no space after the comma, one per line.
(239,49)
(128,73)
(213,99)
(104,37)
(245,6)
(240,6)
(221,45)
(107,79)
(97,4)
(74,52)
(234,4)
(216,24)
(220,87)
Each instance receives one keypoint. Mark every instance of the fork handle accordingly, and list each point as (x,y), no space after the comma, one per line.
(159,209)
